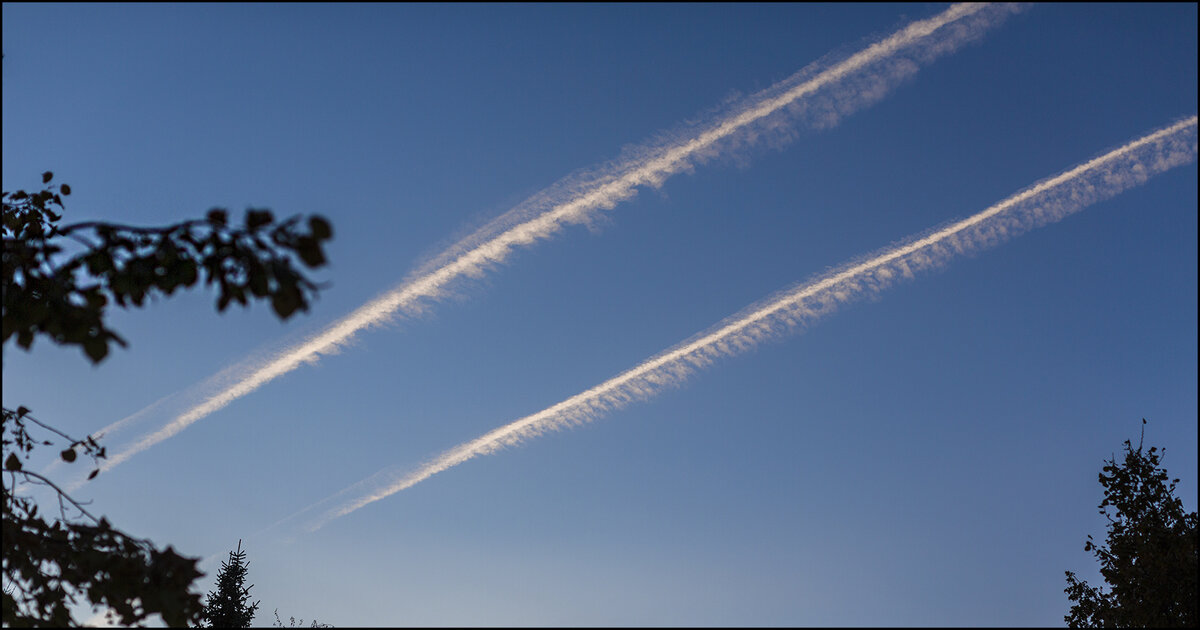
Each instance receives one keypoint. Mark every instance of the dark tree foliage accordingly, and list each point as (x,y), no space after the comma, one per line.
(58,281)
(229,606)
(1149,558)
(50,561)
(50,292)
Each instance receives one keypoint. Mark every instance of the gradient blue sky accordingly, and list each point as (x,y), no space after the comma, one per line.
(927,458)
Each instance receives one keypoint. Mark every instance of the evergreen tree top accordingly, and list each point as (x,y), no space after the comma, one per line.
(228,606)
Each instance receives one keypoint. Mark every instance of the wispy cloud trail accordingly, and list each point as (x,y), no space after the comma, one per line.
(817,96)
(793,309)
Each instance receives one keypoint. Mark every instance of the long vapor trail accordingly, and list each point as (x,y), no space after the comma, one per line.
(793,309)
(817,96)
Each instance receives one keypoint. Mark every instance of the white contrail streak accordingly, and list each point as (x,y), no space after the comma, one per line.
(818,96)
(793,309)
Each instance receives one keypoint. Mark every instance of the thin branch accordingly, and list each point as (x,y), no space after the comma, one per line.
(80,239)
(50,428)
(96,225)
(79,506)
(61,494)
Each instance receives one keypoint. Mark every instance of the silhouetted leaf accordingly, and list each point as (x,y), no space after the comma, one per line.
(310,251)
(320,228)
(284,303)
(95,348)
(258,218)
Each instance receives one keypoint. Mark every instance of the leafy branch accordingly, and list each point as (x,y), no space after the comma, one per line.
(65,297)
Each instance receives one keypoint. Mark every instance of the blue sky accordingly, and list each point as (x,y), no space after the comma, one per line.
(925,458)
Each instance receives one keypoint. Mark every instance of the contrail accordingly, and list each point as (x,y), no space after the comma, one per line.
(818,96)
(793,309)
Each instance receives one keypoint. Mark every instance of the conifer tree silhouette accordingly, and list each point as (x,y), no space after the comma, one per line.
(228,606)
